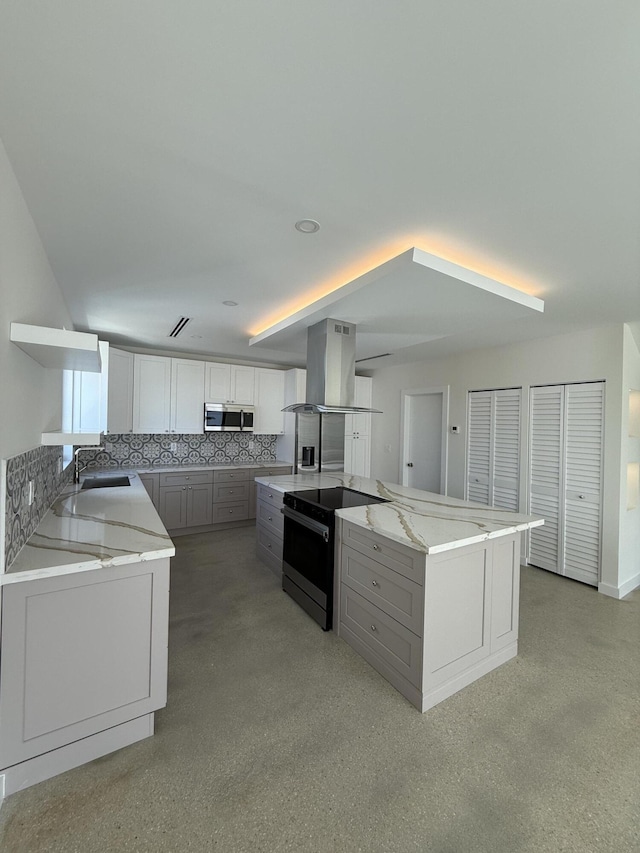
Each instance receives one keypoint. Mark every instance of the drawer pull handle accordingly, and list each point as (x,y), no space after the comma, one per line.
(376,547)
(230,491)
(268,544)
(270,519)
(270,495)
(231,511)
(373,628)
(374,583)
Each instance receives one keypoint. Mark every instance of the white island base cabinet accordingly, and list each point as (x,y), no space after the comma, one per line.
(83,667)
(431,624)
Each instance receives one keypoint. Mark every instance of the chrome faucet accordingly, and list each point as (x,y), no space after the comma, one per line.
(77,470)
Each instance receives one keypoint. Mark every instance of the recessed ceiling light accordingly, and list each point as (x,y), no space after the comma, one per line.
(196,336)
(230,303)
(307,226)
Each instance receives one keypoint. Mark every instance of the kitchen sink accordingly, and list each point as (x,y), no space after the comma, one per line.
(108,482)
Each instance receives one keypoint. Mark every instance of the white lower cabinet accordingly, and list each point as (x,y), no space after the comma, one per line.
(357,432)
(83,656)
(430,624)
(357,455)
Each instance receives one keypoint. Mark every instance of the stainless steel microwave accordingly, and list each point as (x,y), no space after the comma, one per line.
(219,417)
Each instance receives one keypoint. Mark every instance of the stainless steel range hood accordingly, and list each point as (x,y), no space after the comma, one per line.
(331,370)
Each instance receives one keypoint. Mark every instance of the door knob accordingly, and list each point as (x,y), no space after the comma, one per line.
(409,464)
(582,497)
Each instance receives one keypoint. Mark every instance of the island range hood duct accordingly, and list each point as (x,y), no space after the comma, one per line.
(331,370)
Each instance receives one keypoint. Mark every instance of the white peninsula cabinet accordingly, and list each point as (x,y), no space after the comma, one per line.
(168,395)
(84,666)
(83,651)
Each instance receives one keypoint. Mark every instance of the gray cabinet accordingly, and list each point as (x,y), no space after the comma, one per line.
(269,528)
(81,654)
(186,500)
(194,501)
(430,624)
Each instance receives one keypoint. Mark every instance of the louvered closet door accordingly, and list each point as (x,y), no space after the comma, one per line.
(545,474)
(506,448)
(493,448)
(566,478)
(479,446)
(584,414)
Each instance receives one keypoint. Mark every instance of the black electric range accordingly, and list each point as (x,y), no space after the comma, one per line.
(309,542)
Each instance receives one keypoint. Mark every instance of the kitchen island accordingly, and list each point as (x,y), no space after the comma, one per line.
(426,587)
(85,610)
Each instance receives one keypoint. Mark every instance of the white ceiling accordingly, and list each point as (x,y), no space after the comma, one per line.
(166,149)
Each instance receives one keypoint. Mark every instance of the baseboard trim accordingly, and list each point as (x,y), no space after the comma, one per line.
(34,770)
(622,590)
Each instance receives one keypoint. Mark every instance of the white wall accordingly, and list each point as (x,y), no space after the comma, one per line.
(629,570)
(29,293)
(583,356)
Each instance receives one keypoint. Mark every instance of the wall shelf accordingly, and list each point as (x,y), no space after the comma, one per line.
(58,348)
(77,438)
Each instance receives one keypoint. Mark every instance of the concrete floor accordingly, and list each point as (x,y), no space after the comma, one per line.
(278,737)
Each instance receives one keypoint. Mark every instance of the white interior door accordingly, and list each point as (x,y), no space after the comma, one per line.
(424,444)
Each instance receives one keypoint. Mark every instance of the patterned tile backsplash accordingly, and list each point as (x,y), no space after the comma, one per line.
(138,450)
(42,466)
(135,451)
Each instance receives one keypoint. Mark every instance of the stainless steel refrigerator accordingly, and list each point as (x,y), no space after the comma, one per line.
(319,443)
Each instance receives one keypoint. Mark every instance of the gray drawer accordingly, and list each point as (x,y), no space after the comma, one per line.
(401,559)
(266,539)
(230,492)
(191,478)
(269,550)
(271,496)
(270,517)
(392,592)
(392,642)
(230,512)
(237,476)
(280,471)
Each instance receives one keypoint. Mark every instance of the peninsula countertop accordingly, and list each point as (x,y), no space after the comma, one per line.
(425,521)
(92,529)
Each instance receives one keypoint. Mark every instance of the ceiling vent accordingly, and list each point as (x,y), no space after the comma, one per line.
(179,327)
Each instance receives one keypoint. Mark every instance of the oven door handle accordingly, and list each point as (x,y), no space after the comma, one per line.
(309,523)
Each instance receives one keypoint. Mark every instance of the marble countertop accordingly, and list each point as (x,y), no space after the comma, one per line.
(92,529)
(425,521)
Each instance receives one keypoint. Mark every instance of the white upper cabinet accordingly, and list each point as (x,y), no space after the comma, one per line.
(187,396)
(269,401)
(120,403)
(151,393)
(168,395)
(229,383)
